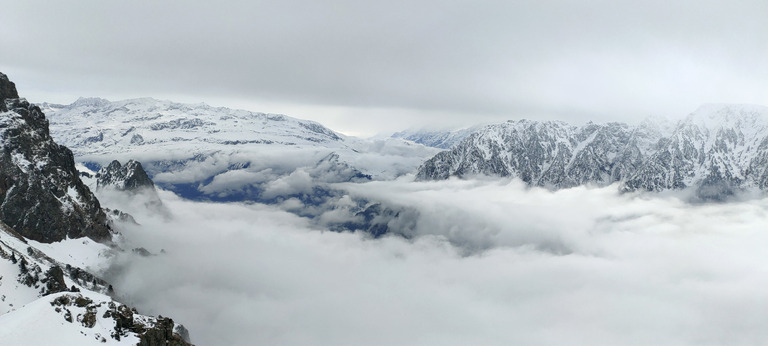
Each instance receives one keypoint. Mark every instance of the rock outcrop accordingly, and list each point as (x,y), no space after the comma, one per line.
(128,177)
(42,195)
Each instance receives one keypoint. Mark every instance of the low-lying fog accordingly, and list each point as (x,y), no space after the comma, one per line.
(493,263)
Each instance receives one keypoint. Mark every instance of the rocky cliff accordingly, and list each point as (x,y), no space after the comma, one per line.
(128,177)
(42,195)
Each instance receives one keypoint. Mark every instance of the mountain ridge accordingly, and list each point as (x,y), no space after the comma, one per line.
(719,149)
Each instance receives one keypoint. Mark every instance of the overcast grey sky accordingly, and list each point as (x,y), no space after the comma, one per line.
(362,67)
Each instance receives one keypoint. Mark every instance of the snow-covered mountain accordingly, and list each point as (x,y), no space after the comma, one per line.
(718,150)
(53,234)
(95,127)
(220,153)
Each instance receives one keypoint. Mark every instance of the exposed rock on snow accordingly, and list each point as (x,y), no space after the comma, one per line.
(130,177)
(48,295)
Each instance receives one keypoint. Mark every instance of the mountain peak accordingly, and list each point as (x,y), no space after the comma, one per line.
(42,196)
(718,150)
(716,115)
(90,101)
(7,91)
(130,176)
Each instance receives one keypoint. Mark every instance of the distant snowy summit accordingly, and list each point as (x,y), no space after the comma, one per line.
(218,153)
(717,150)
(95,126)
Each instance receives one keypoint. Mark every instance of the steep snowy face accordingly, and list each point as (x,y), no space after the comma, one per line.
(718,150)
(42,195)
(541,153)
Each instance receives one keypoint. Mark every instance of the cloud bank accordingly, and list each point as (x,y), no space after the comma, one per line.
(580,266)
(371,67)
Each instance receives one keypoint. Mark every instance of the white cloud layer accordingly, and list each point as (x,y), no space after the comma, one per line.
(578,266)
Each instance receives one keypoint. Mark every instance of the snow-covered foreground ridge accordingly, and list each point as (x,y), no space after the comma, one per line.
(717,150)
(54,300)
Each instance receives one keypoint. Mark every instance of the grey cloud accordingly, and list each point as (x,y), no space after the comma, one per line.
(593,60)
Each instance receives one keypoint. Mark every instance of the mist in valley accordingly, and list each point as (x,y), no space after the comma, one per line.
(484,262)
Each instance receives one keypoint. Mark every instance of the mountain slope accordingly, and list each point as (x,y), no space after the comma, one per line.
(97,126)
(718,150)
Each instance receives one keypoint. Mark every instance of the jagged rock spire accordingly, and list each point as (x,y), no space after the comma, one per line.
(7,90)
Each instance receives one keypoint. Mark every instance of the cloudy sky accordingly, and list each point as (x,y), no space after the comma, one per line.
(368,67)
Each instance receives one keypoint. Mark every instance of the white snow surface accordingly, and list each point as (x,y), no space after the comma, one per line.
(154,130)
(28,318)
(38,323)
(82,252)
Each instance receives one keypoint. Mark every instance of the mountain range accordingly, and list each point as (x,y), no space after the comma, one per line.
(716,151)
(56,237)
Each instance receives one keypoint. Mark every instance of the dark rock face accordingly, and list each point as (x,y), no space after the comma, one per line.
(717,151)
(7,91)
(54,281)
(378,220)
(130,177)
(162,334)
(118,215)
(42,195)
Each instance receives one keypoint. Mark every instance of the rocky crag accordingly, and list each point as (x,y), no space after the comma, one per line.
(128,177)
(42,195)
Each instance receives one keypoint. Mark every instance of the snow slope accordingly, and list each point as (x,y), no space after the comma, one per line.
(187,147)
(41,315)
(39,307)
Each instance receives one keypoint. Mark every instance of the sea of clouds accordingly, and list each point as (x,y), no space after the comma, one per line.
(486,263)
